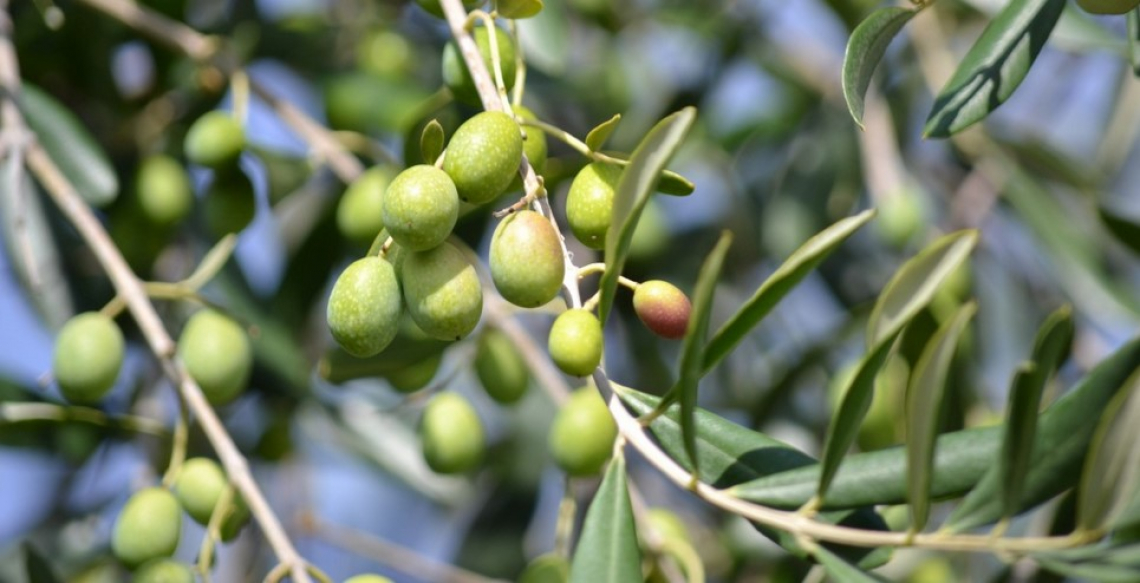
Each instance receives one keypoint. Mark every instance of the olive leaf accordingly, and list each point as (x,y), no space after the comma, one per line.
(432,140)
(518,9)
(840,570)
(1112,468)
(601,132)
(608,550)
(1134,40)
(37,567)
(865,49)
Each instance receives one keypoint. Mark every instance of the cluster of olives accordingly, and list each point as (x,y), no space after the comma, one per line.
(147,530)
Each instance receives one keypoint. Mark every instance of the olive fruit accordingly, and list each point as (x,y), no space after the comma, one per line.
(148,527)
(575,342)
(500,368)
(442,292)
(163,571)
(420,207)
(214,140)
(452,434)
(663,308)
(534,142)
(1108,6)
(87,358)
(217,354)
(199,486)
(483,156)
(590,203)
(900,218)
(458,78)
(668,525)
(433,7)
(364,307)
(360,213)
(582,435)
(163,190)
(548,568)
(229,205)
(415,376)
(526,259)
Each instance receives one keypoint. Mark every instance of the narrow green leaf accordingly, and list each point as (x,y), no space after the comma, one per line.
(601,132)
(994,66)
(1124,229)
(674,184)
(518,9)
(1134,40)
(794,269)
(608,551)
(1092,572)
(915,283)
(692,349)
(1112,467)
(37,567)
(865,49)
(70,146)
(923,405)
(432,140)
(633,190)
(842,571)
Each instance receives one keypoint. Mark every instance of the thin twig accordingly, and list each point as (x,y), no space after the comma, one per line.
(21,412)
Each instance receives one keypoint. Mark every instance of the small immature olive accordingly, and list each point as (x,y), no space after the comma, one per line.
(364,307)
(663,308)
(534,146)
(582,435)
(198,488)
(1107,6)
(526,260)
(590,203)
(217,354)
(163,571)
(148,527)
(433,7)
(500,368)
(458,78)
(575,342)
(442,292)
(668,525)
(483,156)
(229,205)
(87,358)
(900,218)
(215,140)
(421,207)
(452,434)
(416,375)
(360,213)
(548,568)
(163,190)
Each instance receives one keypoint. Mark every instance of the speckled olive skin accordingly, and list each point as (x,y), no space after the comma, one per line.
(163,571)
(364,307)
(483,156)
(163,190)
(452,434)
(360,213)
(148,527)
(87,358)
(663,308)
(421,207)
(582,435)
(442,292)
(217,354)
(575,342)
(590,203)
(198,488)
(500,368)
(526,260)
(458,78)
(214,140)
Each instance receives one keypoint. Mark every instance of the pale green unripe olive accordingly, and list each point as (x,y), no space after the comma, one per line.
(442,292)
(668,525)
(415,376)
(163,190)
(900,218)
(87,358)
(548,568)
(163,571)
(364,307)
(500,368)
(217,355)
(483,156)
(199,487)
(575,342)
(458,78)
(526,259)
(590,203)
(360,213)
(534,141)
(229,205)
(452,434)
(421,207)
(583,433)
(433,7)
(148,527)
(663,308)
(215,140)
(1108,6)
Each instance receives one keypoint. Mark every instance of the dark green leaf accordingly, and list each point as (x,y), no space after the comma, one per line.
(636,184)
(1134,40)
(1124,229)
(431,141)
(598,136)
(1092,572)
(608,551)
(915,283)
(1112,466)
(842,571)
(70,146)
(865,49)
(800,263)
(518,9)
(923,405)
(994,66)
(37,567)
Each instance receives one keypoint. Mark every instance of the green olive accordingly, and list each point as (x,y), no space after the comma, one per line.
(215,140)
(229,205)
(163,190)
(421,207)
(534,140)
(575,342)
(87,358)
(483,156)
(500,368)
(148,527)
(583,433)
(663,308)
(433,7)
(458,78)
(360,213)
(668,525)
(217,355)
(415,376)
(364,307)
(163,571)
(199,487)
(900,218)
(442,292)
(590,203)
(526,259)
(453,439)
(548,568)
